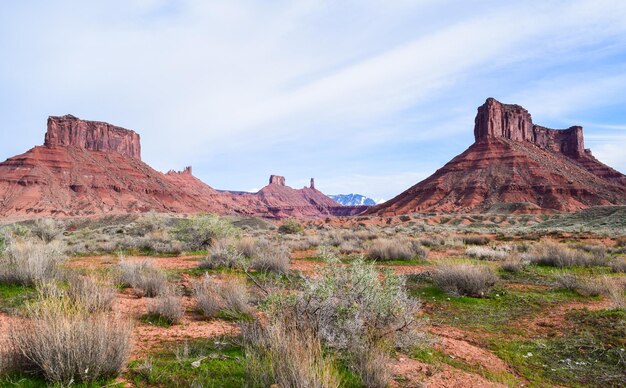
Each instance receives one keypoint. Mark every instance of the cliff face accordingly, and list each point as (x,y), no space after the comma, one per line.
(93,168)
(65,131)
(497,120)
(514,164)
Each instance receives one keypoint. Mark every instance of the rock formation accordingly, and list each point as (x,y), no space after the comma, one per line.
(497,120)
(66,131)
(514,165)
(93,168)
(277,180)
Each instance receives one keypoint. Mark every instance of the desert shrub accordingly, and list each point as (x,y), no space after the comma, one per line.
(475,240)
(598,251)
(271,258)
(396,249)
(27,262)
(222,254)
(207,298)
(202,230)
(372,365)
(149,223)
(620,242)
(584,287)
(465,279)
(143,277)
(567,281)
(168,306)
(90,293)
(350,246)
(615,289)
(353,307)
(230,298)
(247,246)
(513,264)
(65,344)
(353,311)
(619,265)
(557,255)
(47,229)
(486,253)
(283,354)
(290,226)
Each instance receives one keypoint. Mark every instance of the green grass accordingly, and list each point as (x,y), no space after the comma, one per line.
(205,363)
(495,313)
(22,380)
(155,320)
(592,352)
(13,296)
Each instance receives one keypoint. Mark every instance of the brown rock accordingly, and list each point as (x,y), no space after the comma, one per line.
(277,180)
(66,131)
(497,120)
(514,166)
(93,168)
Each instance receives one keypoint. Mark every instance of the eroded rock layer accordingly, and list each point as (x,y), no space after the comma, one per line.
(514,166)
(93,168)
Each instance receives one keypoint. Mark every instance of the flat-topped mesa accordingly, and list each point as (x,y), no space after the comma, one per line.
(497,120)
(64,131)
(277,180)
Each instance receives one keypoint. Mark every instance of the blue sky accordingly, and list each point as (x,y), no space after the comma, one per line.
(366,96)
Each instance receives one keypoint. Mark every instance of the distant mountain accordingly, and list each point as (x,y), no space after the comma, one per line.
(353,200)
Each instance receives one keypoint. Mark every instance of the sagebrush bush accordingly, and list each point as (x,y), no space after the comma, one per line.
(92,294)
(143,277)
(65,344)
(615,289)
(271,258)
(582,286)
(486,253)
(372,365)
(396,249)
(222,254)
(148,223)
(201,231)
(168,306)
(230,297)
(353,307)
(47,229)
(27,262)
(246,246)
(465,279)
(619,265)
(475,240)
(561,256)
(290,226)
(513,264)
(282,354)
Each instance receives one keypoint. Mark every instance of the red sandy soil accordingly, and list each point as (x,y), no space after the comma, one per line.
(148,337)
(174,262)
(414,373)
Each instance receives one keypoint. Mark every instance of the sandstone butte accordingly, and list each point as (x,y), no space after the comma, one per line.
(94,168)
(514,166)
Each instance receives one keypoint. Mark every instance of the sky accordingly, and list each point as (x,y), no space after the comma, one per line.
(367,96)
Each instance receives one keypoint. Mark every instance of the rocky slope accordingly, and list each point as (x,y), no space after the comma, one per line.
(514,166)
(93,168)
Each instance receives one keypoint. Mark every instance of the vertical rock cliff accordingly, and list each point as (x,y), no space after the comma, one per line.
(68,131)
